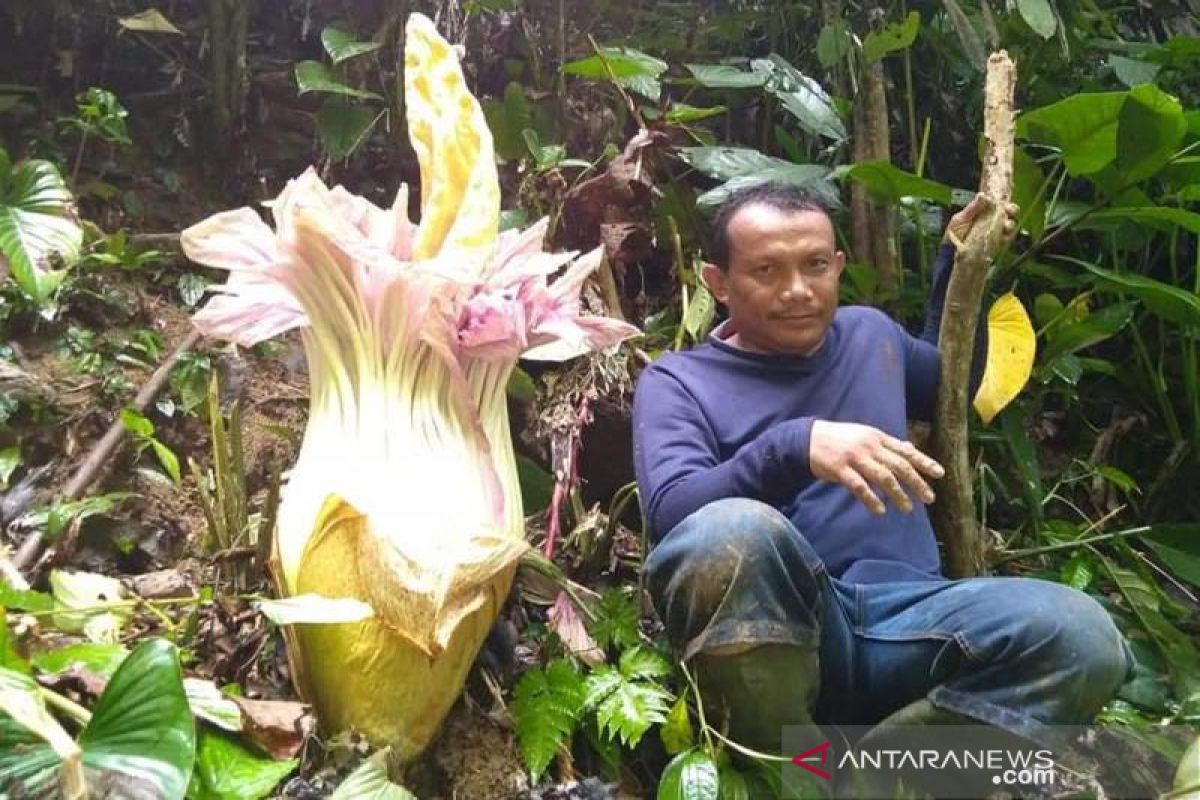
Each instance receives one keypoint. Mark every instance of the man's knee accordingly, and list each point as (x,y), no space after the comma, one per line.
(714,542)
(1070,635)
(733,555)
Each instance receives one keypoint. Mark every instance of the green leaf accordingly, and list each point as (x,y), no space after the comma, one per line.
(725,76)
(730,162)
(209,704)
(169,461)
(136,423)
(141,734)
(683,114)
(1072,336)
(100,658)
(888,183)
(226,770)
(1131,71)
(833,43)
(507,119)
(1119,478)
(632,69)
(626,709)
(700,312)
(1027,183)
(616,622)
(1169,302)
(537,485)
(28,771)
(1039,15)
(734,785)
(642,662)
(344,126)
(315,609)
(546,707)
(812,177)
(313,76)
(370,782)
(1079,571)
(802,97)
(1149,130)
(99,600)
(676,732)
(891,38)
(1178,649)
(342,45)
(37,225)
(691,775)
(1082,126)
(24,599)
(10,459)
(1178,545)
(1156,216)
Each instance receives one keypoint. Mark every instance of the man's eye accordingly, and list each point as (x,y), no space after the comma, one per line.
(764,270)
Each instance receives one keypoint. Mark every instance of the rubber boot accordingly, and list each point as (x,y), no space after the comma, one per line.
(757,692)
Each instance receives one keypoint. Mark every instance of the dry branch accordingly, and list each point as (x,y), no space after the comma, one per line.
(954,514)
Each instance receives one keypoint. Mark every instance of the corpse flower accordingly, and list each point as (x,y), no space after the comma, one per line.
(404,494)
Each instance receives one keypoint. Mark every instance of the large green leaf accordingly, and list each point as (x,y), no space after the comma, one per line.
(1039,15)
(891,38)
(342,45)
(36,225)
(637,71)
(313,76)
(1149,130)
(812,177)
(802,97)
(1072,336)
(141,735)
(730,162)
(691,775)
(888,183)
(227,770)
(1027,184)
(1132,71)
(725,76)
(1156,216)
(344,126)
(1167,301)
(1082,126)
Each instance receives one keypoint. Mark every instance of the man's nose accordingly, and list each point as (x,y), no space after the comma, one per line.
(797,287)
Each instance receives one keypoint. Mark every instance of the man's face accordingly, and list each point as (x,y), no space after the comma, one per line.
(781,288)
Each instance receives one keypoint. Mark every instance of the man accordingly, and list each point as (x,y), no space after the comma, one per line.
(794,564)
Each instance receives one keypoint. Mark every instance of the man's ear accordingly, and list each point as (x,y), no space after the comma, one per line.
(839,262)
(716,280)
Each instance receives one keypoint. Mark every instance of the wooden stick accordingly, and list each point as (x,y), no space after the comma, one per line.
(31,548)
(954,514)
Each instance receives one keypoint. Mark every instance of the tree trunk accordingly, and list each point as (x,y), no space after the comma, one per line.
(873,225)
(228,25)
(954,513)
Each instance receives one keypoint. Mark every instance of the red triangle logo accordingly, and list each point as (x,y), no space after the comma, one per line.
(802,759)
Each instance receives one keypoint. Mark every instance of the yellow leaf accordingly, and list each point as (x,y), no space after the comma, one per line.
(1012,345)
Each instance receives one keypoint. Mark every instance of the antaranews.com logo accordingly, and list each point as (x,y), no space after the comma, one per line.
(967,761)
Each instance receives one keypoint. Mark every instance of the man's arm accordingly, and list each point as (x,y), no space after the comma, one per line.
(679,468)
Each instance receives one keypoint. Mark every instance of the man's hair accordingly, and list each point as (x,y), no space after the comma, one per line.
(780,196)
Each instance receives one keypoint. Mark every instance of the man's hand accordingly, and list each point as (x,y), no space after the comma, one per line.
(861,457)
(960,224)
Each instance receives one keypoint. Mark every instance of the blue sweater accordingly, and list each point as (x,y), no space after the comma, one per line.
(717,421)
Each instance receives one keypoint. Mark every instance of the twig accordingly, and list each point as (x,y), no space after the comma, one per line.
(31,548)
(612,76)
(1051,548)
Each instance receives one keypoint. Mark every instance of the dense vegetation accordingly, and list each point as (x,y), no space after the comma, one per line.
(625,124)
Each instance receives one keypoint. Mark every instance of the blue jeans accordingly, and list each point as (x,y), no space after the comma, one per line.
(1018,653)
